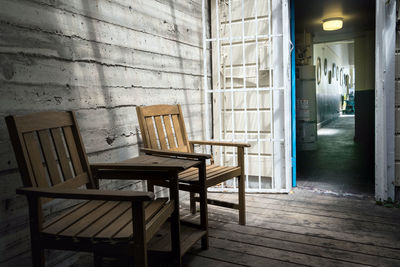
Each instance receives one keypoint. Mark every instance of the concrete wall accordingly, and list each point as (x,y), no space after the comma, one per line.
(100,59)
(328,95)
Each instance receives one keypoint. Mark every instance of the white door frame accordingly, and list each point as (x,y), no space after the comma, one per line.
(385,38)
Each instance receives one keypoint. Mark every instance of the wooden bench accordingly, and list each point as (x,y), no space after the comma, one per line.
(164,133)
(53,164)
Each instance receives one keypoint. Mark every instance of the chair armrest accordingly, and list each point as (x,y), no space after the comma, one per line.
(176,154)
(218,143)
(91,194)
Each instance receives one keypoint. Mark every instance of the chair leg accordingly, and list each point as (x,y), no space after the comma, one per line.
(192,203)
(38,259)
(175,224)
(35,220)
(242,187)
(204,218)
(242,202)
(97,260)
(139,238)
(140,259)
(150,186)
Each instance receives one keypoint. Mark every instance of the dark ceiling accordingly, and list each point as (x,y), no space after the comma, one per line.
(358,15)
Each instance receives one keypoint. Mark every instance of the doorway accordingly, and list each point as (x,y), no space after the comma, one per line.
(335,86)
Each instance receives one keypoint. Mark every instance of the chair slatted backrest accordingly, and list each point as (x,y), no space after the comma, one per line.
(49,150)
(163,127)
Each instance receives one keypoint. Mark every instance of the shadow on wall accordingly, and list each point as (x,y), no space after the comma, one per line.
(186,106)
(100,59)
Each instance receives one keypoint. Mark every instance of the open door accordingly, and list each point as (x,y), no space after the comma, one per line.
(250,91)
(385,43)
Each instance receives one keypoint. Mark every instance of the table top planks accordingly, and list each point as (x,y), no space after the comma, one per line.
(149,162)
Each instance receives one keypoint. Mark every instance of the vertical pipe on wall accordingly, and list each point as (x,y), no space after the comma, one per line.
(271,92)
(206,115)
(221,112)
(245,97)
(232,93)
(220,98)
(258,98)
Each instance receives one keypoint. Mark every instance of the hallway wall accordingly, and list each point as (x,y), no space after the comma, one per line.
(329,94)
(101,59)
(364,47)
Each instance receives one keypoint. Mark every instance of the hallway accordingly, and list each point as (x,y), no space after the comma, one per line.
(338,165)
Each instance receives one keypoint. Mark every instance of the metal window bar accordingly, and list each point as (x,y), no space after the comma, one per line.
(258,97)
(205,78)
(246,171)
(246,37)
(231,74)
(272,92)
(246,89)
(222,94)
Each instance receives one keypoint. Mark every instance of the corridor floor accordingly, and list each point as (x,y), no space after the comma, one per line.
(339,165)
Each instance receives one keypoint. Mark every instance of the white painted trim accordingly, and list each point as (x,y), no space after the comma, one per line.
(385,37)
(205,74)
(288,93)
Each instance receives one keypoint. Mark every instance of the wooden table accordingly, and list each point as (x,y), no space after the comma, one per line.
(158,168)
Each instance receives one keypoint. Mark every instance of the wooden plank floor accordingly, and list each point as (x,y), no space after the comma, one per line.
(302,228)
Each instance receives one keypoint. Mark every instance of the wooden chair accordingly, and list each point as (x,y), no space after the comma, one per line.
(53,164)
(163,132)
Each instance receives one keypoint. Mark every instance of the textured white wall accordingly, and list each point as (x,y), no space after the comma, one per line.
(101,59)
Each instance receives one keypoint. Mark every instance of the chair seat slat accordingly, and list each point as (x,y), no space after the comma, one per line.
(72,217)
(99,219)
(150,211)
(105,221)
(59,217)
(88,219)
(118,224)
(192,171)
(211,173)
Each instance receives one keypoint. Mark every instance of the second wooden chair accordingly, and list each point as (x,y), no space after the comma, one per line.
(163,132)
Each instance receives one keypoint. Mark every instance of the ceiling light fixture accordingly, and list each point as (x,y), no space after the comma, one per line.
(332,24)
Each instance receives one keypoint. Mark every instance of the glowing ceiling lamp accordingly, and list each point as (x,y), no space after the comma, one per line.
(332,24)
